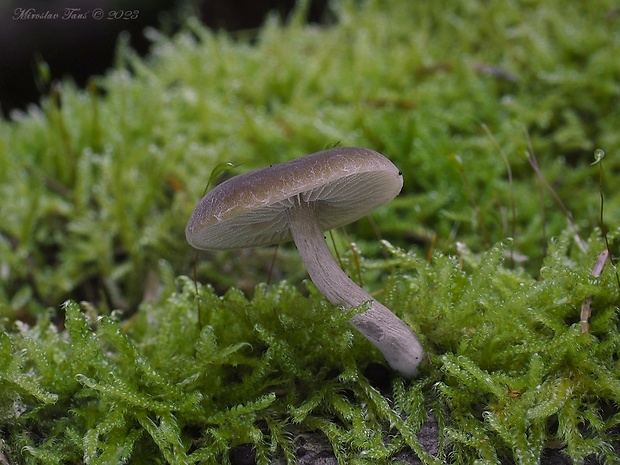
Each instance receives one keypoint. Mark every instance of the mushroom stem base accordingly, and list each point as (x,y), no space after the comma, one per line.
(379,325)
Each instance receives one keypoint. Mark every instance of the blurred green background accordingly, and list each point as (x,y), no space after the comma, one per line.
(464,97)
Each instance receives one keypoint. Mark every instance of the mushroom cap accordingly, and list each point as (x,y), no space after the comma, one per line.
(250,210)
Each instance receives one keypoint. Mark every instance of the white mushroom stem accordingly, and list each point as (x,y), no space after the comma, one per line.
(379,325)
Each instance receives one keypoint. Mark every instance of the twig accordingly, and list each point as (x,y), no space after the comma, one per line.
(586,306)
(598,157)
(531,156)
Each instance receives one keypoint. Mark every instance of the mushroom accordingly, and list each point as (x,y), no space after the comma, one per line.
(299,200)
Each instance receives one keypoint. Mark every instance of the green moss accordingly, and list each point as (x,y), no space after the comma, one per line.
(481,254)
(511,370)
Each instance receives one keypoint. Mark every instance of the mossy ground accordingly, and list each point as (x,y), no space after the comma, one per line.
(493,111)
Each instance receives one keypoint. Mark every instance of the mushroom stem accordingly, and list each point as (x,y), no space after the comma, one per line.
(379,325)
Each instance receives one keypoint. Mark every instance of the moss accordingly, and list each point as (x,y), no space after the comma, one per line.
(191,376)
(492,112)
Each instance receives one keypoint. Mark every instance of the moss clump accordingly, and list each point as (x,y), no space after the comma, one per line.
(519,370)
(512,371)
(492,112)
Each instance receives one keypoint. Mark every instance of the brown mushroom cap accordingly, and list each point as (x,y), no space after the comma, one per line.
(249,210)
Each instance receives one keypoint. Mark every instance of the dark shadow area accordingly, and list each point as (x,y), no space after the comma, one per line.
(78,39)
